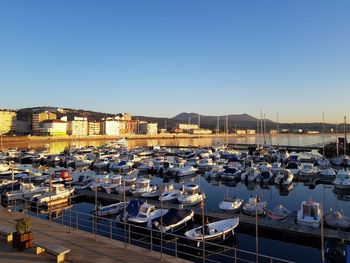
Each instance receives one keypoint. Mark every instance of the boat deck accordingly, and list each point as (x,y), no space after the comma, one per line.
(82,244)
(287,226)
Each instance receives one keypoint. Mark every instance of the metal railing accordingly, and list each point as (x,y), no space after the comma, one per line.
(152,239)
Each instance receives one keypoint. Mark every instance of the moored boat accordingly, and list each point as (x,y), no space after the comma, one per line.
(214,232)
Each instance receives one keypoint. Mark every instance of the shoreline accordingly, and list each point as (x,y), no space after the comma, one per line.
(22,139)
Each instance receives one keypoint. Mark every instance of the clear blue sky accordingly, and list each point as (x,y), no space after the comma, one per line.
(160,58)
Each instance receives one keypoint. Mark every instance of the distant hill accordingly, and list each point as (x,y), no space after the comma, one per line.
(209,122)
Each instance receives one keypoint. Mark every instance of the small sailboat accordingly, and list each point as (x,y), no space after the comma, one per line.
(233,204)
(108,210)
(337,220)
(213,232)
(254,205)
(278,213)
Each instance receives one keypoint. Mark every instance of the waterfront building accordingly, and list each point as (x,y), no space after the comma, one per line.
(122,127)
(110,126)
(131,126)
(94,128)
(23,126)
(39,117)
(7,121)
(251,131)
(53,127)
(127,116)
(241,132)
(78,126)
(186,127)
(200,131)
(148,128)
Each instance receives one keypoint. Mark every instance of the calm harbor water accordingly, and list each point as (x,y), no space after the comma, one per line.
(215,192)
(56,146)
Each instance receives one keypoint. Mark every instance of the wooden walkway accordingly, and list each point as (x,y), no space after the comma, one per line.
(83,247)
(287,226)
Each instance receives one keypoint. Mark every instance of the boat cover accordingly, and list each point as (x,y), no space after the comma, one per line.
(174,216)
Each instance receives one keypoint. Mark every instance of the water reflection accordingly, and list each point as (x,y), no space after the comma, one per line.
(56,146)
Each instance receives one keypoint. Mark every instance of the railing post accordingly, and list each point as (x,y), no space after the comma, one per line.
(235,251)
(76,222)
(151,239)
(129,234)
(175,246)
(62,216)
(110,230)
(37,209)
(271,260)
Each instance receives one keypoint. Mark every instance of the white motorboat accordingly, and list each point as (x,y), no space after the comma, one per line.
(98,181)
(308,169)
(231,204)
(122,166)
(250,174)
(158,191)
(254,205)
(146,215)
(190,195)
(142,186)
(27,190)
(214,232)
(129,183)
(112,209)
(284,177)
(170,195)
(342,181)
(293,167)
(309,213)
(56,194)
(326,171)
(205,164)
(265,177)
(215,172)
(276,167)
(193,161)
(185,171)
(113,183)
(263,166)
(231,173)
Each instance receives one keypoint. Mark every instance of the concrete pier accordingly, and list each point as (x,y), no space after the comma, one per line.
(82,244)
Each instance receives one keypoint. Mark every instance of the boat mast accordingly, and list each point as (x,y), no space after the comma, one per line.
(322,235)
(336,138)
(345,135)
(257,132)
(323,134)
(256,230)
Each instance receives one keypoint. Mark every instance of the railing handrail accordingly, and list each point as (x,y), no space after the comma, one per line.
(96,218)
